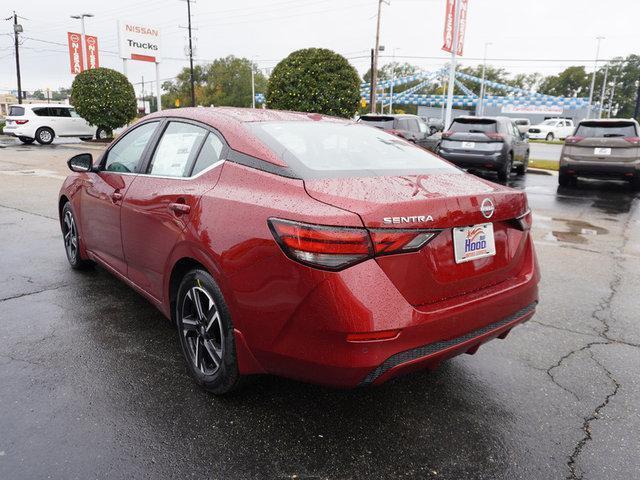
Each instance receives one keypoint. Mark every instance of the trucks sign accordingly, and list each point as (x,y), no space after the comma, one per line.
(139,42)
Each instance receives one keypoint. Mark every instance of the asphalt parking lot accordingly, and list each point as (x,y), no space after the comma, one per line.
(92,384)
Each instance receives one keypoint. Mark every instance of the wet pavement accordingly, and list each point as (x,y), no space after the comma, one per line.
(92,384)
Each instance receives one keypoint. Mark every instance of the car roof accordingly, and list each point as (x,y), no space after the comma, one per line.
(30,105)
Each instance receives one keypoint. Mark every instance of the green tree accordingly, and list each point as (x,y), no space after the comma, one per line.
(104,97)
(180,88)
(625,72)
(229,82)
(571,82)
(315,80)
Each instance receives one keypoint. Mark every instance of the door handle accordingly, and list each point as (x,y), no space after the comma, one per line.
(179,208)
(116,197)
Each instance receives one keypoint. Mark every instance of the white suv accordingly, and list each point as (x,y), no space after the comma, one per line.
(45,121)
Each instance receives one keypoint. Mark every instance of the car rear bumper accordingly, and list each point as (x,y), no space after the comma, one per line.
(489,160)
(314,346)
(17,131)
(623,170)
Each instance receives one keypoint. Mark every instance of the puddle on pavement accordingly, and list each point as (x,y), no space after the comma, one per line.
(575,231)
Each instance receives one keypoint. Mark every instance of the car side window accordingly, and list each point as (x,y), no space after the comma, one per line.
(177,148)
(414,126)
(41,111)
(422,126)
(73,113)
(126,154)
(210,153)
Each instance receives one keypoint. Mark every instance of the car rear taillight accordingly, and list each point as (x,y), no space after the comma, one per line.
(573,139)
(21,122)
(494,136)
(447,134)
(336,248)
(524,221)
(633,140)
(387,241)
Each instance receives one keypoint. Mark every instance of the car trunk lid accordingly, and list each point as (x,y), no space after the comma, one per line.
(438,201)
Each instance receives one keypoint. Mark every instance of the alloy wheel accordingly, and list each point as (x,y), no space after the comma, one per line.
(201,328)
(70,236)
(45,136)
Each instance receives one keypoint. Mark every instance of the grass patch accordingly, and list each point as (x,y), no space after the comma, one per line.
(545,164)
(552,142)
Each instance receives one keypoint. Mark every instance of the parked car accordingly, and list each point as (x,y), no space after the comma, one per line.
(552,129)
(602,149)
(299,245)
(486,143)
(43,122)
(523,124)
(409,127)
(435,124)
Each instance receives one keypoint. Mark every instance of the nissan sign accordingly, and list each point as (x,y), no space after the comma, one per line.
(139,42)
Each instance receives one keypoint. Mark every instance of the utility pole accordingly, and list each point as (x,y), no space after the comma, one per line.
(144,107)
(593,77)
(374,66)
(604,85)
(452,67)
(636,113)
(81,17)
(191,74)
(613,91)
(253,87)
(17,29)
(371,95)
(480,109)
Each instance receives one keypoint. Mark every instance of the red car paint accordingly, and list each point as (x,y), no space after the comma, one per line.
(357,326)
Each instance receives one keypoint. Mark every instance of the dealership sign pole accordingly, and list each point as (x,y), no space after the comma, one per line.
(454,31)
(141,43)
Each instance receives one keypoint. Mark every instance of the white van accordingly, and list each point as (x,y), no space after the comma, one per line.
(43,122)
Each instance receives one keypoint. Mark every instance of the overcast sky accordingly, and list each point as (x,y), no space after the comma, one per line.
(550,34)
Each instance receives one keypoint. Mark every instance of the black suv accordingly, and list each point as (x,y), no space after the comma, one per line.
(409,127)
(486,143)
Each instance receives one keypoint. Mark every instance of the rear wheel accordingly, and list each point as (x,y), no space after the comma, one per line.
(26,140)
(565,180)
(550,137)
(505,171)
(72,239)
(102,133)
(522,169)
(205,333)
(44,135)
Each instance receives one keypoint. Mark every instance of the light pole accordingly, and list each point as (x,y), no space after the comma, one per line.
(480,110)
(393,79)
(593,77)
(374,68)
(613,91)
(81,17)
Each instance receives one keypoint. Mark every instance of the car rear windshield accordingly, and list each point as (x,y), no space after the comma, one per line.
(522,122)
(327,149)
(385,123)
(16,111)
(463,125)
(606,129)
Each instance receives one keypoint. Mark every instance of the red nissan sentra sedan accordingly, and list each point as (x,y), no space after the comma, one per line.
(301,245)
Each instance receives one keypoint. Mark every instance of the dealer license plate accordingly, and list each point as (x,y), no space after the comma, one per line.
(471,243)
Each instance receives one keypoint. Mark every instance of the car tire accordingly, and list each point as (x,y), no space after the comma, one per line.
(71,239)
(550,137)
(102,133)
(44,135)
(505,171)
(26,140)
(565,180)
(205,333)
(86,139)
(522,169)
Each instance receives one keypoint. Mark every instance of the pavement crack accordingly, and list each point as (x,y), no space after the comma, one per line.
(26,294)
(586,425)
(28,212)
(566,357)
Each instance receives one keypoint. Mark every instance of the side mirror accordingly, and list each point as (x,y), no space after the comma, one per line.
(82,162)
(525,135)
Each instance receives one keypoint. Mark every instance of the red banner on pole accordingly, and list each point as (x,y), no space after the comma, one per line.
(75,52)
(449,19)
(462,25)
(449,25)
(91,46)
